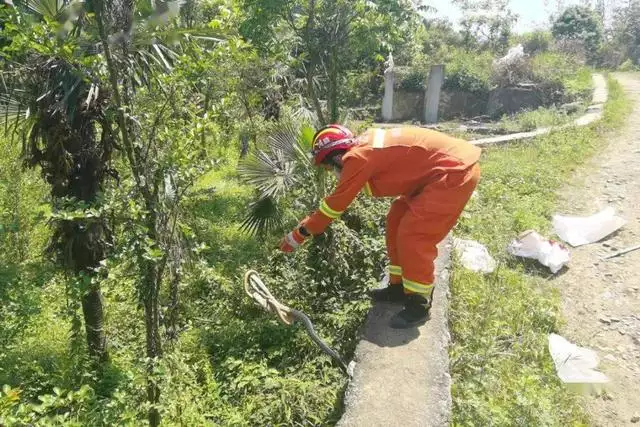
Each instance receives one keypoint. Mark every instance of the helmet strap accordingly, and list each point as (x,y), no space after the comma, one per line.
(335,159)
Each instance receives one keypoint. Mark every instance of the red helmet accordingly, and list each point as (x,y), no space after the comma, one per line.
(329,139)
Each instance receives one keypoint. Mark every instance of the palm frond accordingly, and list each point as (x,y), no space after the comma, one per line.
(283,138)
(272,174)
(263,216)
(303,114)
(13,108)
(44,8)
(305,141)
(158,51)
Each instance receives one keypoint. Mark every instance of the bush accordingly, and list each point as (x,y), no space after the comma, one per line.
(411,78)
(562,76)
(576,49)
(363,88)
(469,71)
(611,56)
(580,23)
(628,65)
(536,42)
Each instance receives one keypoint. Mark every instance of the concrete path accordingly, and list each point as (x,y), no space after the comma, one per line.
(601,298)
(402,376)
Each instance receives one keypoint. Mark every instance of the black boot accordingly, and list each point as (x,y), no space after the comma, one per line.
(392,293)
(415,312)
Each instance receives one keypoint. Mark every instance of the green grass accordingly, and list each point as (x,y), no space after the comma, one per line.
(534,119)
(502,373)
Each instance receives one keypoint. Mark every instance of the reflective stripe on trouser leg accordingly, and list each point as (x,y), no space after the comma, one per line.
(395,270)
(328,211)
(395,275)
(424,289)
(398,208)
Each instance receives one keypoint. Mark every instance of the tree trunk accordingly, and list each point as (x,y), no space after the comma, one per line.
(172,312)
(312,62)
(151,287)
(150,279)
(154,349)
(93,312)
(205,109)
(314,98)
(333,86)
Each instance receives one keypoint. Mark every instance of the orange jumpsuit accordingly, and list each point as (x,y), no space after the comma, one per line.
(434,176)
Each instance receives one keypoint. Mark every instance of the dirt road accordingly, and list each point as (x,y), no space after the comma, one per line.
(601,299)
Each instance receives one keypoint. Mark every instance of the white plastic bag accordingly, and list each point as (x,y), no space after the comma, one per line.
(576,365)
(530,244)
(579,231)
(474,256)
(384,281)
(514,54)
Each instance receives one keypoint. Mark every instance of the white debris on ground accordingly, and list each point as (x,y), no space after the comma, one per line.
(579,231)
(474,255)
(576,366)
(549,253)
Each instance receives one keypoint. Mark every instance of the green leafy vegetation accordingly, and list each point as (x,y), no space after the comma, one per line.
(154,152)
(580,24)
(501,371)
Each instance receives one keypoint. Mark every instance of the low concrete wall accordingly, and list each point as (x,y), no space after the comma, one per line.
(510,100)
(407,105)
(456,104)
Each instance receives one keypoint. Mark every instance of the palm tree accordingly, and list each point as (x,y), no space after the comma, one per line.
(276,171)
(67,92)
(57,110)
(53,99)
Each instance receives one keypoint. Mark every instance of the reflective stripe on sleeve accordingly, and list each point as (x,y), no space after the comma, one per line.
(326,210)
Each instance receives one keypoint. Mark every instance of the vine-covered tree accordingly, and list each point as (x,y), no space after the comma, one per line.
(580,23)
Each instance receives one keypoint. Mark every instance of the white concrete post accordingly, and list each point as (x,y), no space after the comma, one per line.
(387,101)
(432,95)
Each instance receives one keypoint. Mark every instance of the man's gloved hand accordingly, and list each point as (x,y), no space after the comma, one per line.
(291,241)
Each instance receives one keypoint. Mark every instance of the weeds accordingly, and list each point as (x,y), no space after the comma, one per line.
(531,120)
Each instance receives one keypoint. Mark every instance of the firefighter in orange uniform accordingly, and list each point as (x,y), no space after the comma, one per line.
(432,175)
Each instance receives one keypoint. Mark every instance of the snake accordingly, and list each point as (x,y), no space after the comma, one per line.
(257,290)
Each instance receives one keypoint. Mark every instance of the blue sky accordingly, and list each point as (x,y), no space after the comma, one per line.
(532,13)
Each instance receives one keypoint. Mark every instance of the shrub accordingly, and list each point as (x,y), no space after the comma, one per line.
(580,23)
(562,76)
(363,88)
(627,65)
(411,78)
(611,56)
(468,71)
(536,42)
